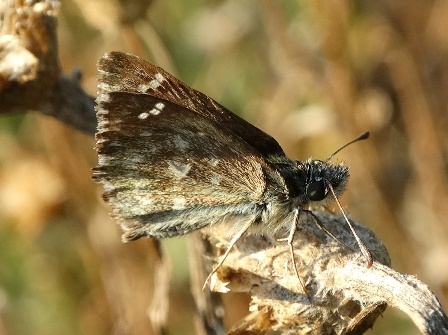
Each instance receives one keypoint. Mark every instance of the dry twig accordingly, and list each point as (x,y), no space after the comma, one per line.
(343,295)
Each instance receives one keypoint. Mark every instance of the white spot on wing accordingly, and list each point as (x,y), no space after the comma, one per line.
(159,77)
(158,107)
(179,170)
(142,88)
(143,115)
(154,84)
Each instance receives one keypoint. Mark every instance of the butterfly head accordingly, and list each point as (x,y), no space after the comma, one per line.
(323,175)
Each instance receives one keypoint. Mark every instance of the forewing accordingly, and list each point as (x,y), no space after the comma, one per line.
(129,73)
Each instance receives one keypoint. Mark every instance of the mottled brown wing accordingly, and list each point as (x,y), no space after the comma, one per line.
(128,73)
(170,158)
(168,170)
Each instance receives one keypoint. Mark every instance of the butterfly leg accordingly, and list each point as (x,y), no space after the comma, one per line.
(289,241)
(325,230)
(229,248)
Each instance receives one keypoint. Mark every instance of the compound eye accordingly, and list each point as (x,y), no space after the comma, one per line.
(316,191)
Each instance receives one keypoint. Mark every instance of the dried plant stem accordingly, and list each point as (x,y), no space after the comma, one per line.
(343,295)
(209,308)
(30,76)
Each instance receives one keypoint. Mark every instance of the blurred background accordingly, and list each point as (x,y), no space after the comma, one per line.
(314,75)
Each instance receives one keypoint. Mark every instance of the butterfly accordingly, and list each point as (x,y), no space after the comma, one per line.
(172,160)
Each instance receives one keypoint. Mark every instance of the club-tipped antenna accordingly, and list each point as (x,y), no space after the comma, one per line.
(361,137)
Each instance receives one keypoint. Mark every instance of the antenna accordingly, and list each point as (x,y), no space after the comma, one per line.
(364,250)
(361,137)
